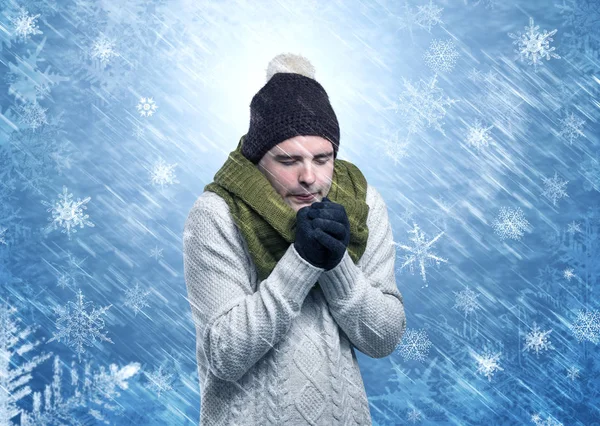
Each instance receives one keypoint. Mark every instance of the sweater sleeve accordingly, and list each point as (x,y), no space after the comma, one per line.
(364,299)
(236,325)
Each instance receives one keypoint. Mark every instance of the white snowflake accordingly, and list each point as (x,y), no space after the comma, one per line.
(25,25)
(573,228)
(414,345)
(2,236)
(163,174)
(414,416)
(79,326)
(138,131)
(159,380)
(478,136)
(571,127)
(441,56)
(554,188)
(537,340)
(422,105)
(68,213)
(534,46)
(587,326)
(568,274)
(510,223)
(103,49)
(156,253)
(32,115)
(573,372)
(488,364)
(69,276)
(136,298)
(419,252)
(146,107)
(466,301)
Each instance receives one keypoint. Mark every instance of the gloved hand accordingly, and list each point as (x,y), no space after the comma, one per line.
(306,243)
(331,229)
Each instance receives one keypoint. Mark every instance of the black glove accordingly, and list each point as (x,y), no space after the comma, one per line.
(331,229)
(306,244)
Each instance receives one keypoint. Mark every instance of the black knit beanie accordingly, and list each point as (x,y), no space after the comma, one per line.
(291,103)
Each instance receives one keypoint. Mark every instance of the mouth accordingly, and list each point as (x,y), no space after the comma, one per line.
(307,197)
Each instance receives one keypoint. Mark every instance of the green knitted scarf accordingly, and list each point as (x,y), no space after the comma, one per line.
(268,224)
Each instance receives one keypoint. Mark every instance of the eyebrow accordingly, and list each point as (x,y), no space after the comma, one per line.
(299,157)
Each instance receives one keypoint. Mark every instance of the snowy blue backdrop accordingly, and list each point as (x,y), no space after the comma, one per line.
(477,120)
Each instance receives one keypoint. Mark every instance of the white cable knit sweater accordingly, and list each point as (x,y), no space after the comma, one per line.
(279,352)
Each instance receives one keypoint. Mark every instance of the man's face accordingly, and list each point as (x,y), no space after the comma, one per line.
(301,165)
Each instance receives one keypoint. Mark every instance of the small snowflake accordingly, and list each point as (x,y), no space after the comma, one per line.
(395,148)
(414,345)
(146,107)
(414,416)
(2,236)
(573,228)
(67,213)
(32,115)
(159,381)
(136,299)
(550,421)
(163,174)
(79,326)
(466,301)
(534,46)
(478,136)
(587,326)
(573,373)
(419,252)
(441,56)
(510,223)
(568,274)
(537,340)
(422,105)
(25,25)
(103,49)
(554,188)
(571,127)
(156,253)
(488,364)
(138,131)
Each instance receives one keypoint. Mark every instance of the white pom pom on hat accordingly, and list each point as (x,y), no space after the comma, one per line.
(290,62)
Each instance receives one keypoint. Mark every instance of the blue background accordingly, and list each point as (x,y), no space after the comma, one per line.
(69,118)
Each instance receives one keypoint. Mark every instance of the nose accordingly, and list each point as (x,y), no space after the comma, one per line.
(307,174)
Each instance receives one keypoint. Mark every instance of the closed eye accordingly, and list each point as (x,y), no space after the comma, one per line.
(289,163)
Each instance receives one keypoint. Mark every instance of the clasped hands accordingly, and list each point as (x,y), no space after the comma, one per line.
(322,233)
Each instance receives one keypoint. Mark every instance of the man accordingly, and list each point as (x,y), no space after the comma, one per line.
(273,348)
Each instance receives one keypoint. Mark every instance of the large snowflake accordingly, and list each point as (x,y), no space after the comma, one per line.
(587,326)
(422,105)
(80,324)
(68,213)
(554,188)
(488,364)
(510,223)
(414,345)
(534,46)
(419,252)
(538,340)
(441,56)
